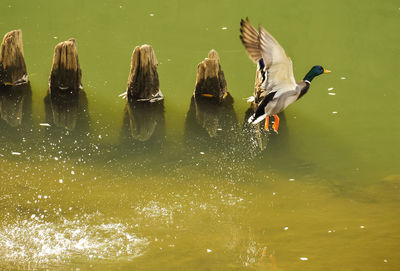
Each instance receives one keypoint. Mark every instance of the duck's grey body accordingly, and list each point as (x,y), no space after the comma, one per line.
(277,101)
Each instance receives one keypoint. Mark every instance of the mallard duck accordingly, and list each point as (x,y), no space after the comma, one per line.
(275,70)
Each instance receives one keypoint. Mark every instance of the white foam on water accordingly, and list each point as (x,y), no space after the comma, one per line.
(42,244)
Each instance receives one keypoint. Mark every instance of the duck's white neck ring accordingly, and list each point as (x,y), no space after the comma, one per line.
(307,82)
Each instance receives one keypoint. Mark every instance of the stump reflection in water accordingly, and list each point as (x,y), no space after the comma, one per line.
(211,124)
(144,123)
(16,110)
(66,112)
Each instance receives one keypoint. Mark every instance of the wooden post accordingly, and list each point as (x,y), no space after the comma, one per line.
(12,63)
(143,83)
(144,111)
(66,73)
(211,116)
(66,102)
(210,80)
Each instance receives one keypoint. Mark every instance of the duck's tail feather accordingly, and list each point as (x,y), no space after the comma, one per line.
(254,120)
(250,99)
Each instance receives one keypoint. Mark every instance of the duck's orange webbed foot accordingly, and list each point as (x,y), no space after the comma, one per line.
(275,126)
(266,128)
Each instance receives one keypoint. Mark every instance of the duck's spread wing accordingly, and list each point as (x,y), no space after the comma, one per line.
(251,40)
(278,64)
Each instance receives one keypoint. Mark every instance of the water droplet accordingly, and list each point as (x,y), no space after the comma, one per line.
(224,28)
(330,89)
(209,250)
(286,228)
(303,258)
(60,181)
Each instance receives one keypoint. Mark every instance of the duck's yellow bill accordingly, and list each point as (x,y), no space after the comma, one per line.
(327,71)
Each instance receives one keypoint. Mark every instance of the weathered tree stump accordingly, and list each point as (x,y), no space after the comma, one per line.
(210,80)
(144,111)
(12,63)
(66,73)
(211,120)
(143,83)
(66,102)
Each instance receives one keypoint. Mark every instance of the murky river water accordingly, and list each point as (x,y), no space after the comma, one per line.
(323,196)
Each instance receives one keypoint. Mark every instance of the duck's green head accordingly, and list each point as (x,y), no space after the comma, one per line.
(315,71)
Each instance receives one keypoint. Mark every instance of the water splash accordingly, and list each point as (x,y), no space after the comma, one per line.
(45,244)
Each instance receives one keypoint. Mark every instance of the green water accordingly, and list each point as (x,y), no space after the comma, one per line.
(323,196)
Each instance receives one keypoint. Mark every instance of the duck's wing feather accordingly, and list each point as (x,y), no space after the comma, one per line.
(279,65)
(263,45)
(251,40)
